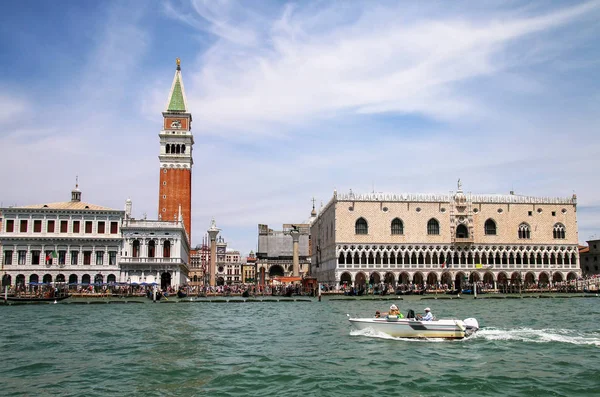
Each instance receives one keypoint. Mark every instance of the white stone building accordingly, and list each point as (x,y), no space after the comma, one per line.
(154,251)
(72,241)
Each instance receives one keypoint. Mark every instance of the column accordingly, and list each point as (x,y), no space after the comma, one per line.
(295,233)
(213,231)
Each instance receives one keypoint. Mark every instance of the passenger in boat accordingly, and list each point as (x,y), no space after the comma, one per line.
(394,311)
(428,316)
(377,314)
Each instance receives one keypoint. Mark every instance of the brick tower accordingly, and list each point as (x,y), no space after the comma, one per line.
(176,141)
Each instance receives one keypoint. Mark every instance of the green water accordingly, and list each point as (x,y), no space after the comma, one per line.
(527,347)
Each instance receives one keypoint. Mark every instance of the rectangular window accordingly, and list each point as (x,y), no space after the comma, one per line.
(114,227)
(23,228)
(99,258)
(74,257)
(75,226)
(35,257)
(48,257)
(101,227)
(64,226)
(530,213)
(88,227)
(62,257)
(10,225)
(8,257)
(112,258)
(553,213)
(87,257)
(50,228)
(37,226)
(22,257)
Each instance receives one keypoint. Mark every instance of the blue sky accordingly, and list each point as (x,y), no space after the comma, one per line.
(292,100)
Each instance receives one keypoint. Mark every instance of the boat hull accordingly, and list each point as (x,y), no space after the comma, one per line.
(31,299)
(411,328)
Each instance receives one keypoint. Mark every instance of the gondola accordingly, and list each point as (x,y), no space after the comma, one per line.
(36,299)
(181,294)
(246,294)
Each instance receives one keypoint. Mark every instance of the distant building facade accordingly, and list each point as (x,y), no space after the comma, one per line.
(590,258)
(445,238)
(274,257)
(72,242)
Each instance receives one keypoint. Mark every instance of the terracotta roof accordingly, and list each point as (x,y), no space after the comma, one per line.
(583,249)
(69,205)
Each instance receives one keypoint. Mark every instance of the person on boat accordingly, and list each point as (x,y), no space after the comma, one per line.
(428,316)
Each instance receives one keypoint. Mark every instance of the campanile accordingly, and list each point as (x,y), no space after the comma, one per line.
(176,141)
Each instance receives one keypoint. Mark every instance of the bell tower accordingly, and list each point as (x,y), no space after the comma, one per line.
(176,141)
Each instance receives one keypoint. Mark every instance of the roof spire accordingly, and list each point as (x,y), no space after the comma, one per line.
(177,102)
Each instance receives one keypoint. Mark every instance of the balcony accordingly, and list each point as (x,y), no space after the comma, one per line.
(144,260)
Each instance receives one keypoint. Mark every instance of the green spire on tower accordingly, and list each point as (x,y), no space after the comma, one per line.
(177,102)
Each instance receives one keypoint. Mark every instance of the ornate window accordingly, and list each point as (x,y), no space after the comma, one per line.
(559,231)
(397,226)
(490,227)
(361,226)
(524,232)
(462,231)
(433,227)
(136,248)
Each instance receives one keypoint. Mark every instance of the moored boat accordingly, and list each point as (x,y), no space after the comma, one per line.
(413,328)
(36,299)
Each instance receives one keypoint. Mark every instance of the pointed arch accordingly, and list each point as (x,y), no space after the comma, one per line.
(433,227)
(361,226)
(397,227)
(524,231)
(490,227)
(558,231)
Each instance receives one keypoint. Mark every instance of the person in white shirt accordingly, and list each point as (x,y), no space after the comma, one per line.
(428,316)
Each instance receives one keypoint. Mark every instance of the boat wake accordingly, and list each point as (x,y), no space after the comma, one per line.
(371,333)
(539,336)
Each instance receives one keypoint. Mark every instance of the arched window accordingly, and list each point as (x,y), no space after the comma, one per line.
(524,231)
(462,231)
(173,148)
(167,249)
(433,227)
(559,231)
(490,227)
(397,226)
(168,149)
(182,148)
(151,249)
(136,248)
(361,226)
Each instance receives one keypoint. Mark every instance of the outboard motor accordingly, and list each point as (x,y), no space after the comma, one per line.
(410,313)
(471,324)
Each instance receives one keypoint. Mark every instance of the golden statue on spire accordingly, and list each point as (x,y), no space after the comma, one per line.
(178,61)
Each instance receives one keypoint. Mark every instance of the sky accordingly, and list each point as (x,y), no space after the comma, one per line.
(293,100)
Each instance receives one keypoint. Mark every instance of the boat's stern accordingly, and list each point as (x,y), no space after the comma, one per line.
(471,326)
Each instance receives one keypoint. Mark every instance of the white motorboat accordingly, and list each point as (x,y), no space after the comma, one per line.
(413,328)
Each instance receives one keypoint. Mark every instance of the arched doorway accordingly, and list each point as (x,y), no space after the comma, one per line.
(374,278)
(99,279)
(165,280)
(6,280)
(418,278)
(389,278)
(34,278)
(360,280)
(502,279)
(557,277)
(474,277)
(460,280)
(571,276)
(73,279)
(529,279)
(447,280)
(404,278)
(60,278)
(346,279)
(544,280)
(276,271)
(111,278)
(85,279)
(432,279)
(220,281)
(488,278)
(47,278)
(20,280)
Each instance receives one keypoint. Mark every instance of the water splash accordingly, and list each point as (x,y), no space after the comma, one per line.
(548,335)
(371,333)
